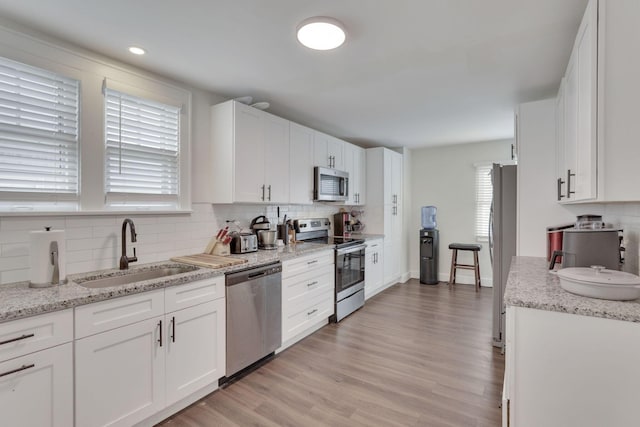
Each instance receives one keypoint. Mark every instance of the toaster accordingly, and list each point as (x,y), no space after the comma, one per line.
(241,243)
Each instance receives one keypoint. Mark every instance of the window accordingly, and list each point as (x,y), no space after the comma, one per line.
(142,160)
(38,133)
(484,196)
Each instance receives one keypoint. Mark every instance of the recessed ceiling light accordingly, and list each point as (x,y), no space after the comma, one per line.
(137,50)
(321,33)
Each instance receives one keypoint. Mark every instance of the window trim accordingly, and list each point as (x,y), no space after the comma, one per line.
(90,70)
(482,222)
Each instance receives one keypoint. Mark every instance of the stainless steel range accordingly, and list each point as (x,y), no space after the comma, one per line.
(349,263)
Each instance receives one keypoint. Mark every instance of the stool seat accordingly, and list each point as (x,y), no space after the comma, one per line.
(465,246)
(475,248)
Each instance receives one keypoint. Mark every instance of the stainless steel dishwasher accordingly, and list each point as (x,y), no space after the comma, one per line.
(254,315)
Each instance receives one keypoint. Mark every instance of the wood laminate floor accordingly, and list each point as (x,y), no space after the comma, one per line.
(414,355)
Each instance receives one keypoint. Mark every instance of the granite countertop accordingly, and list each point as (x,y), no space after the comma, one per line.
(18,300)
(531,285)
(366,236)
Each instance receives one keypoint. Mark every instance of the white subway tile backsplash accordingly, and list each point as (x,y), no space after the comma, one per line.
(14,262)
(14,249)
(10,276)
(93,242)
(91,221)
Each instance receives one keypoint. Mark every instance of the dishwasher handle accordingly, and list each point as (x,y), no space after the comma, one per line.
(253,273)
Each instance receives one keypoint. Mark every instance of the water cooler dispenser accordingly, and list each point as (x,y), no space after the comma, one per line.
(429,247)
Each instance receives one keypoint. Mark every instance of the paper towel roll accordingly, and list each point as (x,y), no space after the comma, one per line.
(40,266)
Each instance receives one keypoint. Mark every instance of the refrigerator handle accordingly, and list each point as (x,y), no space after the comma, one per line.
(491,233)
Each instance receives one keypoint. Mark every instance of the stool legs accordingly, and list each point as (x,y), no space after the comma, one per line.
(476,270)
(475,267)
(454,261)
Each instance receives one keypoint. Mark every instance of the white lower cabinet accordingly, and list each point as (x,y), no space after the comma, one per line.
(195,357)
(120,374)
(308,287)
(373,268)
(37,389)
(569,370)
(129,373)
(36,371)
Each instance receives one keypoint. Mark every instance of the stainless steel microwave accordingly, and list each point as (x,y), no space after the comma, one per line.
(330,185)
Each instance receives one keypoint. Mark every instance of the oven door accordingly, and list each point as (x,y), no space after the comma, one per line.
(349,270)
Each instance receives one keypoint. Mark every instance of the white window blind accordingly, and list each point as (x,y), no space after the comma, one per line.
(38,130)
(142,146)
(484,196)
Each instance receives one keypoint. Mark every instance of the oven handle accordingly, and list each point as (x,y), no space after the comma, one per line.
(350,249)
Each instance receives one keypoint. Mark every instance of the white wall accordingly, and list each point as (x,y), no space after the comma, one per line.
(93,241)
(445,177)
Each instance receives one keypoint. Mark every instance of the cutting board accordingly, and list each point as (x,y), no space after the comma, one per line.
(209,261)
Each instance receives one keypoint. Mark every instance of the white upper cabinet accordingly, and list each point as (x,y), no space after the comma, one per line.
(328,151)
(355,162)
(249,155)
(598,98)
(579,142)
(301,164)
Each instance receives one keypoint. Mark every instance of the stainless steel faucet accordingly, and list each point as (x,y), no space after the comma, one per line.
(124,259)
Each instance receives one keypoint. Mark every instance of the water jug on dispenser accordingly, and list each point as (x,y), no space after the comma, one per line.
(429,217)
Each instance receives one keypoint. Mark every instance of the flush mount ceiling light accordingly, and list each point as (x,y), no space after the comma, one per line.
(137,50)
(321,33)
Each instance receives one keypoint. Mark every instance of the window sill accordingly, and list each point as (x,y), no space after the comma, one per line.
(94,213)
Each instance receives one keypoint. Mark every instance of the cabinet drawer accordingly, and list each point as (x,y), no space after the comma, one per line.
(319,311)
(373,245)
(103,316)
(37,389)
(306,263)
(23,336)
(307,282)
(183,296)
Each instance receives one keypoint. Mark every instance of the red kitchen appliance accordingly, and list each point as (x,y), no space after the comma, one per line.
(554,239)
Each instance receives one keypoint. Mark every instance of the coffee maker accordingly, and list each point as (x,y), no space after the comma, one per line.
(342,224)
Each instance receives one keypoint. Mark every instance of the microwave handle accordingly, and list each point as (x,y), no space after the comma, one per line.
(344,191)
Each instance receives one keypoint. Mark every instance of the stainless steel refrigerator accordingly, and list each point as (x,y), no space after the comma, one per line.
(502,240)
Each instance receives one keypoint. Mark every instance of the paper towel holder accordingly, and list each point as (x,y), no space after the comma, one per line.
(54,257)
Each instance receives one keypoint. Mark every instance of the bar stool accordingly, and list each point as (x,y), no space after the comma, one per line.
(454,261)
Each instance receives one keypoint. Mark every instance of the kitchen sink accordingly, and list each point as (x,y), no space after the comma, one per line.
(135,276)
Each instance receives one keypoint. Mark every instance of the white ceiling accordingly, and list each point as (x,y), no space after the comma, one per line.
(412,73)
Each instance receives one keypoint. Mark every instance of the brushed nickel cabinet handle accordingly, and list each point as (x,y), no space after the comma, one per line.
(173,329)
(269,192)
(160,338)
(23,337)
(312,311)
(13,371)
(263,193)
(315,282)
(312,262)
(560,195)
(569,175)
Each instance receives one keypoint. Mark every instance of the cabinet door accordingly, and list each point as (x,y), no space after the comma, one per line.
(276,158)
(321,150)
(248,155)
(40,390)
(560,161)
(373,273)
(349,163)
(587,105)
(120,375)
(335,149)
(360,171)
(195,348)
(301,164)
(388,263)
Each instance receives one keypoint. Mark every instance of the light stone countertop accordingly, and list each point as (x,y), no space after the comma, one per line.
(366,236)
(18,300)
(531,285)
